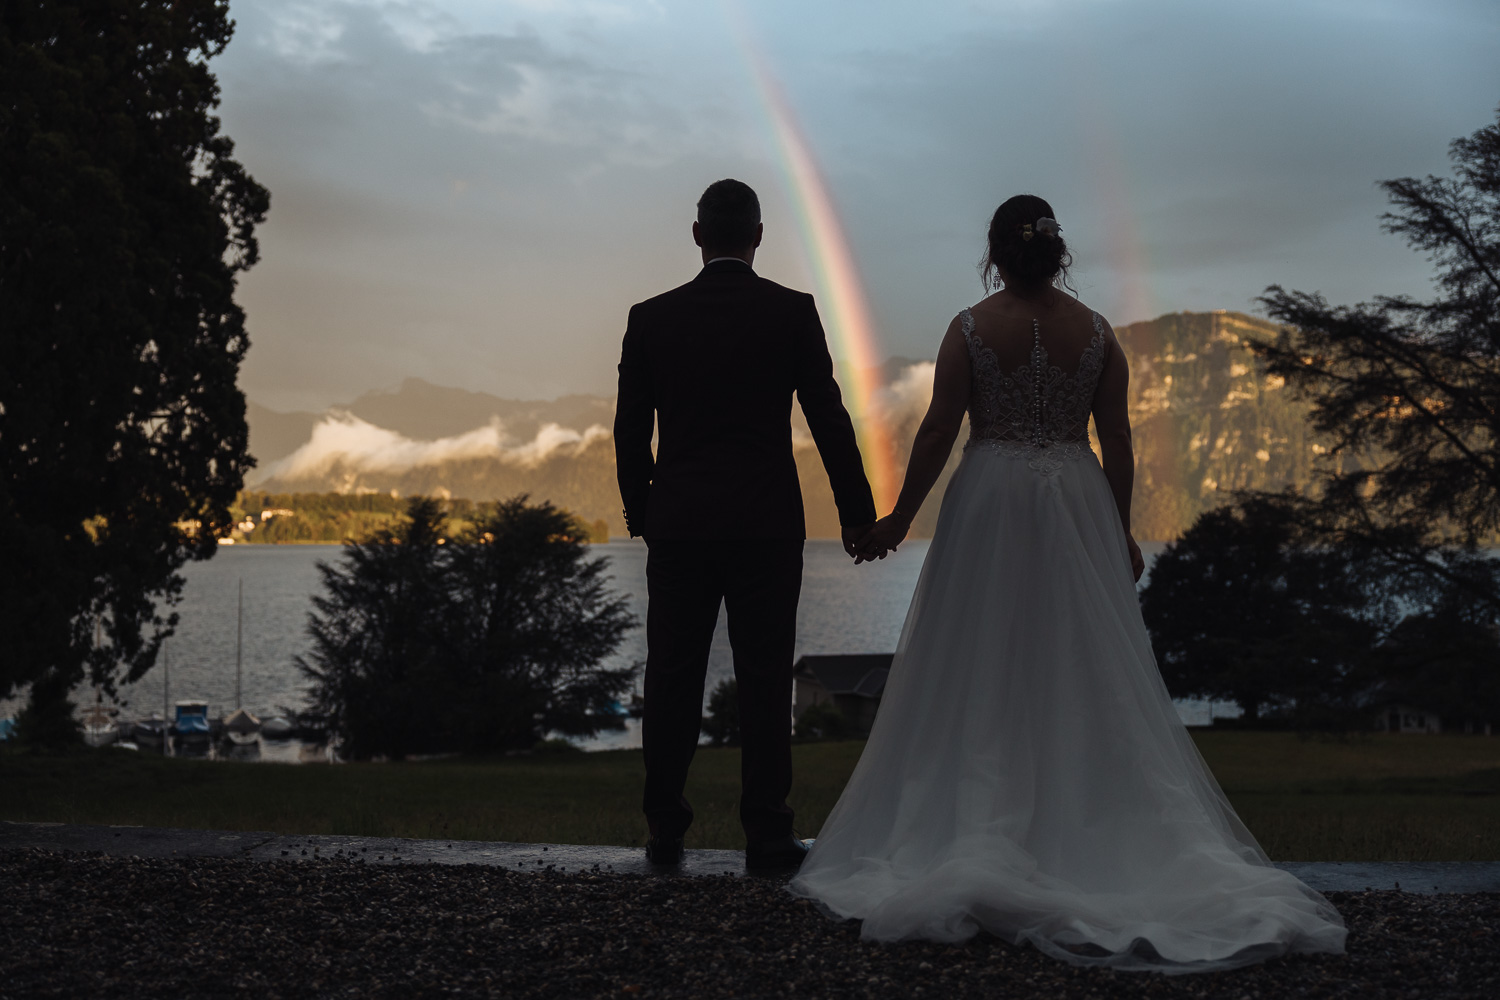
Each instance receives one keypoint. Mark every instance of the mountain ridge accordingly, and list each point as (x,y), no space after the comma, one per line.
(1207,420)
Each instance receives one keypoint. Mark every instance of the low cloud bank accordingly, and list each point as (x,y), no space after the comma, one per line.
(908,397)
(345,441)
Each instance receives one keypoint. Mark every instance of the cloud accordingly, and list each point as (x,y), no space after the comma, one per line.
(344,441)
(908,396)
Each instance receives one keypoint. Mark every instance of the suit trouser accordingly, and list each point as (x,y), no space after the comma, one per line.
(758,582)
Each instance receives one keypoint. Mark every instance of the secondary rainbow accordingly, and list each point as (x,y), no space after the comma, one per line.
(841,295)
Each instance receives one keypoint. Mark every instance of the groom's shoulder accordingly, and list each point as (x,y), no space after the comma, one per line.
(663,298)
(688,293)
(790,295)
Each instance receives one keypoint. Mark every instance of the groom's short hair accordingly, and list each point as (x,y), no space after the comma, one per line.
(728,213)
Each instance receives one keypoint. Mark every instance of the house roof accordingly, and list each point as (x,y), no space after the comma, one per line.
(861,674)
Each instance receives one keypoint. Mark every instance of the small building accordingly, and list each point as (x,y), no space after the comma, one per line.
(853,682)
(1407,719)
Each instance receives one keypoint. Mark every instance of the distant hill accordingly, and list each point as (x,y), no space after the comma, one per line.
(1207,420)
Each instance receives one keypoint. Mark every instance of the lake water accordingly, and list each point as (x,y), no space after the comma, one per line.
(844,609)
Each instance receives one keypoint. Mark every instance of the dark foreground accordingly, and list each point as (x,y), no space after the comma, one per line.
(90,925)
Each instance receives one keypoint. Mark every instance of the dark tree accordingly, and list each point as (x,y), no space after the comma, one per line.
(1445,656)
(381,651)
(1241,608)
(534,624)
(123,221)
(1408,390)
(722,723)
(484,641)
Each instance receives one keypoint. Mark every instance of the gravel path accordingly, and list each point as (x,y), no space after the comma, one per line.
(90,925)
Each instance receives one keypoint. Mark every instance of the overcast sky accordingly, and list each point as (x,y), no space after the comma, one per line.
(475,192)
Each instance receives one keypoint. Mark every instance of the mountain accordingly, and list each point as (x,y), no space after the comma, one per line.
(1207,420)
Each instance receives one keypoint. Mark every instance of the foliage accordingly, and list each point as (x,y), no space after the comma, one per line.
(1268,601)
(823,722)
(486,641)
(1239,608)
(1445,657)
(47,721)
(1408,390)
(722,723)
(124,220)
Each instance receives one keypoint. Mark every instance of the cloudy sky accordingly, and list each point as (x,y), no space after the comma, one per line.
(475,192)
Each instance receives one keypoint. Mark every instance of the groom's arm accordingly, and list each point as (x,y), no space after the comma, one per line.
(635,415)
(832,430)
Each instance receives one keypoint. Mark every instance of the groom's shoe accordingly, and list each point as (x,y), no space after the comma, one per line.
(664,850)
(784,852)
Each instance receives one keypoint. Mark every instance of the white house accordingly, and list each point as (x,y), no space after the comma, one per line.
(1407,719)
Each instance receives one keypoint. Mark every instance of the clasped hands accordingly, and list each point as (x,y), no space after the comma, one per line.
(868,542)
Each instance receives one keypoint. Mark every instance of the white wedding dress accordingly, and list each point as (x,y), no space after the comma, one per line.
(1027,773)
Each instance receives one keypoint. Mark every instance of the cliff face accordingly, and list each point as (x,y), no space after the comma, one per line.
(1207,421)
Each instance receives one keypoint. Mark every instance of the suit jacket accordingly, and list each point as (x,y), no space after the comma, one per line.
(716,362)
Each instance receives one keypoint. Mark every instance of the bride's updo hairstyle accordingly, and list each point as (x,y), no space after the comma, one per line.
(1032,259)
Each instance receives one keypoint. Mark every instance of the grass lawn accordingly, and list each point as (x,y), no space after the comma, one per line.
(1367,798)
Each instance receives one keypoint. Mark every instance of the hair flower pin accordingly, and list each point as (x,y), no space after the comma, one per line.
(1026,232)
(1045,226)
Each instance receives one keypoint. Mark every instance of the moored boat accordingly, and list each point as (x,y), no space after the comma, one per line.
(99,726)
(149,732)
(241,727)
(191,723)
(277,728)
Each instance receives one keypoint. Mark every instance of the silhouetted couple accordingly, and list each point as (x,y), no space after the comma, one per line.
(1027,773)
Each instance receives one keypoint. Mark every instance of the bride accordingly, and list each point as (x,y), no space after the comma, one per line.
(1027,773)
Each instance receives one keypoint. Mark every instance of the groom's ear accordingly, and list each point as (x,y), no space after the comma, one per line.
(698,239)
(760,230)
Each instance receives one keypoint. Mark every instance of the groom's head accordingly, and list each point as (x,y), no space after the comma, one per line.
(728,221)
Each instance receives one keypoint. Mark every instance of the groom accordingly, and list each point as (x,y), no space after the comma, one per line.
(715,363)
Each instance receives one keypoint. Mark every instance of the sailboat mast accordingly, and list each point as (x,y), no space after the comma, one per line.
(239,644)
(166,694)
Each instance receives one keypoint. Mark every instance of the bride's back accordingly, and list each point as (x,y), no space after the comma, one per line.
(1011,326)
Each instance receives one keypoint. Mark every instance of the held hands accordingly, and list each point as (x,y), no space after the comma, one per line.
(875,541)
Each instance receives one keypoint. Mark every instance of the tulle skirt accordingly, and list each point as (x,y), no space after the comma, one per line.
(1027,773)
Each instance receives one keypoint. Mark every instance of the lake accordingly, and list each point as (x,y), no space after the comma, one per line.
(844,609)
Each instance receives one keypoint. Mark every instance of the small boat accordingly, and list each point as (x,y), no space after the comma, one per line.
(149,732)
(99,726)
(277,728)
(191,724)
(241,727)
(234,750)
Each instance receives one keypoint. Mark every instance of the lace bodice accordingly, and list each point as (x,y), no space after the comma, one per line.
(1037,409)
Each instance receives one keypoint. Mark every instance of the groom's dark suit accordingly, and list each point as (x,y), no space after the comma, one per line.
(716,363)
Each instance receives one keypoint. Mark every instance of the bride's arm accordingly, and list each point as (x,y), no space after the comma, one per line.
(934,440)
(1116,452)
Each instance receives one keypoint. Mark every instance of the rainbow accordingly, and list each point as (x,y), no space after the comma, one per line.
(841,294)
